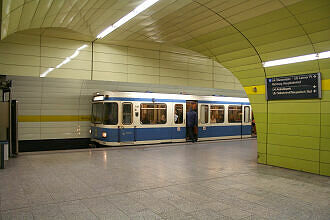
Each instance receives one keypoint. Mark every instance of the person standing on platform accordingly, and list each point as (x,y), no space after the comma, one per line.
(191,123)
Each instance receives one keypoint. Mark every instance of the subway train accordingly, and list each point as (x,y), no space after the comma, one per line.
(132,118)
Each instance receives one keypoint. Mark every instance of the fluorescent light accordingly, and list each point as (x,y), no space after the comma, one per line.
(324,55)
(291,60)
(76,53)
(82,47)
(67,60)
(140,8)
(298,59)
(46,72)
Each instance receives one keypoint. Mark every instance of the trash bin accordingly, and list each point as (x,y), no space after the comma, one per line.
(3,153)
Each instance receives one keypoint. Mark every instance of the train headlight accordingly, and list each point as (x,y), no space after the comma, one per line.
(104,134)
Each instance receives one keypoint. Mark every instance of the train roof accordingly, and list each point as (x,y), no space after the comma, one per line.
(165,97)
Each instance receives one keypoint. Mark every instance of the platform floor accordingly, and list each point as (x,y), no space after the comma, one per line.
(207,180)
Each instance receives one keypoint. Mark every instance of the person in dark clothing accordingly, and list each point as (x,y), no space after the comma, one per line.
(191,123)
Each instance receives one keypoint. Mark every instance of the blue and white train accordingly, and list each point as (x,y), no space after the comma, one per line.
(130,118)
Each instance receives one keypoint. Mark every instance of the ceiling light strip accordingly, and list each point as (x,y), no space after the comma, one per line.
(140,8)
(68,59)
(298,59)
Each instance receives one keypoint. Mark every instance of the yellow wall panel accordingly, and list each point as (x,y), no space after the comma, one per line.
(20,60)
(10,48)
(292,163)
(113,67)
(202,83)
(173,81)
(173,73)
(143,53)
(173,65)
(292,152)
(290,52)
(19,70)
(112,49)
(174,56)
(142,61)
(241,61)
(283,44)
(143,70)
(202,76)
(110,76)
(325,169)
(143,79)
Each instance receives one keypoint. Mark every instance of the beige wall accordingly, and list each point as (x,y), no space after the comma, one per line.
(58,105)
(31,55)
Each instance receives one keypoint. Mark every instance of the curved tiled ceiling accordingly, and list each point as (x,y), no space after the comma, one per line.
(254,30)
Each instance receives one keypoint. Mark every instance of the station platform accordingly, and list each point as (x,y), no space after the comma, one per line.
(203,180)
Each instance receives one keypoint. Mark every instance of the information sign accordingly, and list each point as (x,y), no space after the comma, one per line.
(306,86)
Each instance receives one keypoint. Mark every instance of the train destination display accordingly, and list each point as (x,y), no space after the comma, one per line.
(305,86)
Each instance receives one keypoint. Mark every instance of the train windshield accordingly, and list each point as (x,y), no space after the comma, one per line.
(97,113)
(110,113)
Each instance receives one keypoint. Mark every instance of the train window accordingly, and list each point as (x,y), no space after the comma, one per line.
(97,113)
(235,114)
(247,118)
(153,113)
(204,114)
(110,113)
(217,114)
(178,113)
(127,113)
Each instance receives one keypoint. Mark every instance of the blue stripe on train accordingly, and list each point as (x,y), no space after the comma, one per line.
(166,133)
(221,131)
(141,134)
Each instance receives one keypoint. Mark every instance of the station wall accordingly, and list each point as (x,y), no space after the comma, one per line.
(57,106)
(30,55)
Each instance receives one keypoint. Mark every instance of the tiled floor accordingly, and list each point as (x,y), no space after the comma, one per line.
(208,180)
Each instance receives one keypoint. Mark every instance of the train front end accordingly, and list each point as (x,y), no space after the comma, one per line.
(104,120)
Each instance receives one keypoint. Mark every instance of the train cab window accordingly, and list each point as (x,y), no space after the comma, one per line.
(178,114)
(247,117)
(204,114)
(235,114)
(217,114)
(153,113)
(110,113)
(127,113)
(97,113)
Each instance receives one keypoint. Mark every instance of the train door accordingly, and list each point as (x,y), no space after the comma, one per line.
(247,120)
(179,118)
(193,104)
(126,129)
